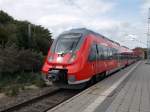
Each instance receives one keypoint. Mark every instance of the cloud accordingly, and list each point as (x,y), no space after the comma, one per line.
(94,7)
(54,20)
(60,15)
(52,13)
(145,5)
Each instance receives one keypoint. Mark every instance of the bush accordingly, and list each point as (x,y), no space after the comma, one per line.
(12,90)
(29,60)
(19,68)
(13,60)
(8,60)
(12,84)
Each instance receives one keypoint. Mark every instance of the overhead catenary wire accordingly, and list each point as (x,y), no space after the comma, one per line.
(72,2)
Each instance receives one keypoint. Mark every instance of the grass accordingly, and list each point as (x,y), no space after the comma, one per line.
(12,84)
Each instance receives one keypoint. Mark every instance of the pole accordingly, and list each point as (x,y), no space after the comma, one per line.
(29,35)
(148,38)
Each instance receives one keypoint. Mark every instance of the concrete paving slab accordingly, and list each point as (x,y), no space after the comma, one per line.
(135,98)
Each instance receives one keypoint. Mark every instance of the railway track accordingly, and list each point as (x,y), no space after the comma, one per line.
(44,102)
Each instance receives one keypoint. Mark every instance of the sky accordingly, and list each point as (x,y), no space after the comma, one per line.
(124,21)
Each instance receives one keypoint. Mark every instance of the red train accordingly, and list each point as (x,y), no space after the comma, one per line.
(80,56)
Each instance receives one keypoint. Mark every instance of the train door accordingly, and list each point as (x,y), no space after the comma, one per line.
(119,60)
(97,62)
(93,58)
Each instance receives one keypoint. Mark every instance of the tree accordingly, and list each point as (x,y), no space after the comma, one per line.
(18,52)
(3,36)
(41,39)
(16,32)
(5,18)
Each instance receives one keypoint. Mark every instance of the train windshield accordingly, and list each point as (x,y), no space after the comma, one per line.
(67,43)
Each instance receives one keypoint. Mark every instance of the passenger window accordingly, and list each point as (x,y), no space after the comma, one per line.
(110,53)
(93,53)
(115,56)
(105,53)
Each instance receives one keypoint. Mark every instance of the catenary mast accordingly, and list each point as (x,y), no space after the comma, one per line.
(148,38)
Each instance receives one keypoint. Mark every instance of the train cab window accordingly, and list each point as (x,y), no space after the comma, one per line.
(67,43)
(93,53)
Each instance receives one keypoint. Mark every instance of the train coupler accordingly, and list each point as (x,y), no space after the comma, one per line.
(57,75)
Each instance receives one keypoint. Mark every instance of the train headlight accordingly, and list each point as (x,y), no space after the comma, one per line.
(59,59)
(50,58)
(73,57)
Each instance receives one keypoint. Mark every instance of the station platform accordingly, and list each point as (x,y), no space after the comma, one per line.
(125,91)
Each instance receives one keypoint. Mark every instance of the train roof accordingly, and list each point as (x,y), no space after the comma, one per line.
(85,31)
(125,47)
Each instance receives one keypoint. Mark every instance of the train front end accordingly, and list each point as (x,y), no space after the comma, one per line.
(63,62)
